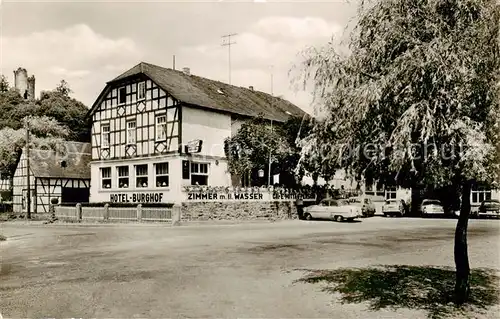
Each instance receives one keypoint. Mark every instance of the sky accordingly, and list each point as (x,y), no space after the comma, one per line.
(88,43)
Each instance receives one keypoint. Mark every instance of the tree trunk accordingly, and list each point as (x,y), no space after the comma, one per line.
(462,287)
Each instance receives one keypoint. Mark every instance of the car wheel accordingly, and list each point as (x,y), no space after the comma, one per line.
(385,214)
(308,216)
(339,218)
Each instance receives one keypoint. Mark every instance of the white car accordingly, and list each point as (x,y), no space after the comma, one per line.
(392,207)
(333,209)
(432,207)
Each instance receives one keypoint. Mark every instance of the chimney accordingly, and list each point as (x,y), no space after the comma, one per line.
(251,87)
(186,71)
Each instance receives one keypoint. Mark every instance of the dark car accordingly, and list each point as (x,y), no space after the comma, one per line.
(490,207)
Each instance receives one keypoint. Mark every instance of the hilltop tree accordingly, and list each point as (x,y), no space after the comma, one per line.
(55,104)
(4,84)
(415,102)
(45,133)
(63,88)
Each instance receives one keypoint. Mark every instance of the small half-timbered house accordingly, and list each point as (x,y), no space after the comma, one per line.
(155,130)
(63,175)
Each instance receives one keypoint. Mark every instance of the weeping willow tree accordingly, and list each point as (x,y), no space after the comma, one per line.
(415,101)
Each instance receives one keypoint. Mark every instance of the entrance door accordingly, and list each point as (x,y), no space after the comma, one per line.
(75,195)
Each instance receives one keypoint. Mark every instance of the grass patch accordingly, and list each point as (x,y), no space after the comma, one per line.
(2,238)
(414,287)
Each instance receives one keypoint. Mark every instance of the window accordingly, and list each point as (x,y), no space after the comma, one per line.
(390,193)
(106,177)
(141,175)
(380,189)
(199,174)
(123,181)
(122,95)
(161,174)
(105,136)
(480,194)
(161,127)
(141,91)
(131,133)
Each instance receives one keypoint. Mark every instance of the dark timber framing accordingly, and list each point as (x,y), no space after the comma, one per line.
(144,112)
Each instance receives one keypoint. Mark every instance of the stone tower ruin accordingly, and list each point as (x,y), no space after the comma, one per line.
(23,84)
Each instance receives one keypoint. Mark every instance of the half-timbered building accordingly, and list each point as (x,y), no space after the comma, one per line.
(63,175)
(155,130)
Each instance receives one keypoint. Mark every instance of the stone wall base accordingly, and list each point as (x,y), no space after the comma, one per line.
(203,211)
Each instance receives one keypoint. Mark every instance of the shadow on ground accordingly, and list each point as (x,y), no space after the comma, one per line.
(413,287)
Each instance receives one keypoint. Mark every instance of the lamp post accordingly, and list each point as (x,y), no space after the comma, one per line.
(28,191)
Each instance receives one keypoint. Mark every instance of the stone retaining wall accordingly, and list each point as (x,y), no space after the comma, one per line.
(200,211)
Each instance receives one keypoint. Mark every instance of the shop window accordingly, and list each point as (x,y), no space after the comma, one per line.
(105,136)
(141,175)
(141,91)
(106,177)
(131,133)
(161,126)
(123,177)
(161,170)
(199,173)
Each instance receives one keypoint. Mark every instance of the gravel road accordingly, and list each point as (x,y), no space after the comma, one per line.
(223,271)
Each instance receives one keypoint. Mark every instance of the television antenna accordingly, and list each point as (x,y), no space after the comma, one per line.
(226,41)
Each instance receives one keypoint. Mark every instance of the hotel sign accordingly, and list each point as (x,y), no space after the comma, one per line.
(193,146)
(136,198)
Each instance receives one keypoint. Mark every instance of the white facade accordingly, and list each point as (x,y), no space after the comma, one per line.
(140,155)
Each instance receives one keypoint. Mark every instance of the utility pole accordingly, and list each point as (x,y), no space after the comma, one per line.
(28,191)
(270,149)
(226,41)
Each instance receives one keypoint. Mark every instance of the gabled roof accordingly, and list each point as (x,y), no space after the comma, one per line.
(47,163)
(203,92)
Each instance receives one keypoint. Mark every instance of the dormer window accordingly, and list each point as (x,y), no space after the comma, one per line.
(141,91)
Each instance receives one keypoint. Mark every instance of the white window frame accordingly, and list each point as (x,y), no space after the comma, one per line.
(106,178)
(198,170)
(391,193)
(131,131)
(141,176)
(119,177)
(122,89)
(141,90)
(161,128)
(162,174)
(107,134)
(479,195)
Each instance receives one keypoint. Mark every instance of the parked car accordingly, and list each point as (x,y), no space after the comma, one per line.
(431,207)
(393,207)
(367,207)
(489,208)
(332,209)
